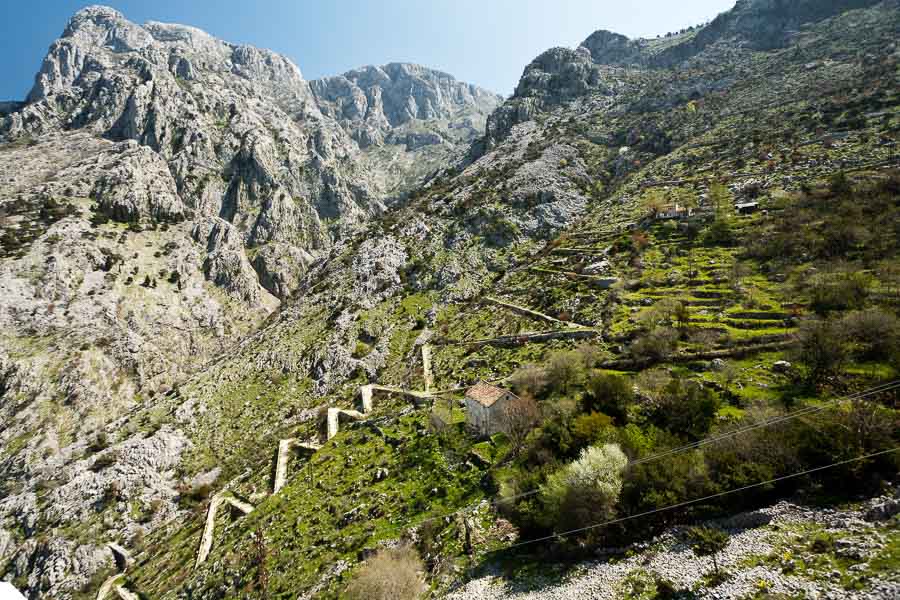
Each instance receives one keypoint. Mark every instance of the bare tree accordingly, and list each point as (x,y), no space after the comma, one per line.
(517,418)
(260,558)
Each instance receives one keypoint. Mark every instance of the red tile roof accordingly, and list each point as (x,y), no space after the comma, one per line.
(486,394)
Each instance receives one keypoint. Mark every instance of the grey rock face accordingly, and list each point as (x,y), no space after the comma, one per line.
(371,101)
(138,186)
(608,48)
(226,264)
(560,75)
(280,267)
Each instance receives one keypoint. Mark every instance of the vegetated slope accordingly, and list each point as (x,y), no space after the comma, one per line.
(558,214)
(555,216)
(163,192)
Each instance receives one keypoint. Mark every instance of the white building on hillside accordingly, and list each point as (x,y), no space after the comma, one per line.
(484,407)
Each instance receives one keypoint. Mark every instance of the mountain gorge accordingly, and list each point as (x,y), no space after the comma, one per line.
(205,255)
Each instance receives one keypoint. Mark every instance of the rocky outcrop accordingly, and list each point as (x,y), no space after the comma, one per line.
(560,74)
(373,101)
(138,186)
(226,264)
(280,267)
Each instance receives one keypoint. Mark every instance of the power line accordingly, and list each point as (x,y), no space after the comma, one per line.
(703,499)
(884,387)
(716,438)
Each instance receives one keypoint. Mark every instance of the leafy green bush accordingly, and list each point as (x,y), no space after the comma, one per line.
(874,333)
(655,345)
(361,350)
(609,394)
(839,290)
(707,541)
(592,428)
(585,491)
(686,408)
(719,233)
(564,370)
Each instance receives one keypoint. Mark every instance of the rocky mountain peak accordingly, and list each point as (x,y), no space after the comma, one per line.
(371,101)
(560,75)
(105,26)
(609,48)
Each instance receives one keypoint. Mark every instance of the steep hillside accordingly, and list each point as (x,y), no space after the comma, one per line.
(163,192)
(649,255)
(412,120)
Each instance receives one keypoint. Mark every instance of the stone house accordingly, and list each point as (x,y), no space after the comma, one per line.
(484,407)
(675,211)
(746,208)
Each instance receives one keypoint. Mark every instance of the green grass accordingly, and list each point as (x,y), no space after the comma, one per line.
(307,523)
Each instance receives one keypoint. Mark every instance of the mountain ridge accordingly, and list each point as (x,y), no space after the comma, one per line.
(179,303)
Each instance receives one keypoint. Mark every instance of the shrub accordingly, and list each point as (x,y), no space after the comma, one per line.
(590,354)
(664,481)
(841,290)
(564,369)
(392,574)
(751,457)
(609,394)
(823,349)
(707,541)
(530,379)
(652,383)
(655,345)
(361,350)
(100,443)
(664,312)
(719,233)
(592,428)
(847,432)
(585,491)
(194,496)
(875,333)
(839,184)
(686,408)
(104,460)
(555,439)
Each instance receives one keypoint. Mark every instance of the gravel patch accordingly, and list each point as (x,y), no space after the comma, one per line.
(671,558)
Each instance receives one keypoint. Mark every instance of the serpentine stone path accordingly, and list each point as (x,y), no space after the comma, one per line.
(426,367)
(214,504)
(123,560)
(284,449)
(111,585)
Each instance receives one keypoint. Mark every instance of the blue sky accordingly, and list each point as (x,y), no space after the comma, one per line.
(486,42)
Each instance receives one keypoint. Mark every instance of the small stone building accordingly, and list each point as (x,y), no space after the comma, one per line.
(484,407)
(675,211)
